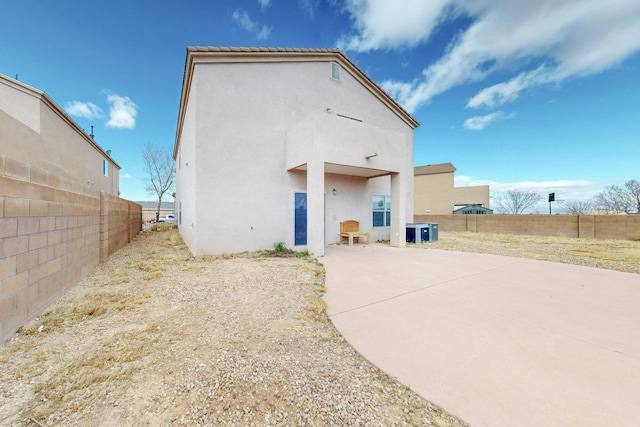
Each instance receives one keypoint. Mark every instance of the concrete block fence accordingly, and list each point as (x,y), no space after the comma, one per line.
(578,226)
(53,232)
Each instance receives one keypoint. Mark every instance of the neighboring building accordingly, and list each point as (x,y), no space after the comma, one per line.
(149,209)
(60,214)
(435,193)
(36,131)
(281,145)
(473,210)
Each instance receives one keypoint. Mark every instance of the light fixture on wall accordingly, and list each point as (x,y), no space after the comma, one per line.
(329,111)
(370,156)
(334,191)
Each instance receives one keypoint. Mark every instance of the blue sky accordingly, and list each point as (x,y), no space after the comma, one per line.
(537,95)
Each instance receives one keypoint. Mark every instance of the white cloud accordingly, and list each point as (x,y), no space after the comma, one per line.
(481,122)
(126,175)
(570,37)
(264,4)
(87,110)
(566,190)
(509,91)
(308,6)
(243,20)
(390,25)
(122,112)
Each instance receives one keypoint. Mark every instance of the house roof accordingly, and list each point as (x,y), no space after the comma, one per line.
(473,206)
(434,169)
(18,85)
(266,53)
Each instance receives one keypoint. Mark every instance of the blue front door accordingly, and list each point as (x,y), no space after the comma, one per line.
(300,214)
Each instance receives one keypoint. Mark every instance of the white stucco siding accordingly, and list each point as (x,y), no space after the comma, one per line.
(244,193)
(346,142)
(186,184)
(352,201)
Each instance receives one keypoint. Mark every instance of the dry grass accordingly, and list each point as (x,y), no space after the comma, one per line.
(156,336)
(77,384)
(620,255)
(71,315)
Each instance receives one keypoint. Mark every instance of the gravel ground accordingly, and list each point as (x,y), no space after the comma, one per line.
(157,337)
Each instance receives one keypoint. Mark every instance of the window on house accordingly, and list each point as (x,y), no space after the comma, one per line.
(335,71)
(381,211)
(105,167)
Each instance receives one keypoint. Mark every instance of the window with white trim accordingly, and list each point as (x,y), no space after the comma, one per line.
(335,71)
(381,211)
(105,168)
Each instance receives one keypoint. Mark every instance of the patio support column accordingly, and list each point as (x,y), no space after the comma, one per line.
(398,210)
(315,207)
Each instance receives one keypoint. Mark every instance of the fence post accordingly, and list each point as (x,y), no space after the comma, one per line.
(586,227)
(104,227)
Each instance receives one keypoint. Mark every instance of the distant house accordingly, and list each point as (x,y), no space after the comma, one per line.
(435,192)
(36,131)
(281,145)
(473,209)
(149,209)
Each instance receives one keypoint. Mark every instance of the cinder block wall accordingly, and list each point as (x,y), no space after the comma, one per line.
(123,221)
(579,226)
(50,238)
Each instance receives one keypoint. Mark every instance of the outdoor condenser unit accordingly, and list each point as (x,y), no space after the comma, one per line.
(422,232)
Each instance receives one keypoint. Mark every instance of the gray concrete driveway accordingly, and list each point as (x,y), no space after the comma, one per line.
(497,341)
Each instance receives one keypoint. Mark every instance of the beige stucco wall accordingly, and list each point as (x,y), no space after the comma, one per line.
(34,130)
(474,194)
(437,194)
(433,193)
(256,133)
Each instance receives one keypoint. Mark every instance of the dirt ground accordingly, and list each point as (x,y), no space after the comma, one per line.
(155,336)
(158,337)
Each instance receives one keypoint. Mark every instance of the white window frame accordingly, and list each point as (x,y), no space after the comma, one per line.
(384,208)
(335,71)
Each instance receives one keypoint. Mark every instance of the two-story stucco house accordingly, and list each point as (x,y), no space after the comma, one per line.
(436,193)
(281,145)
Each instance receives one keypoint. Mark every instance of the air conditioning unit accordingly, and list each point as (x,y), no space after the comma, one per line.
(422,232)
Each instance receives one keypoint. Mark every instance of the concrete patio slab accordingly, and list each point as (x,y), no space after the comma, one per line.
(497,341)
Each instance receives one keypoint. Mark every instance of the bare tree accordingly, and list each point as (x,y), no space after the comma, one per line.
(615,199)
(516,201)
(578,207)
(160,170)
